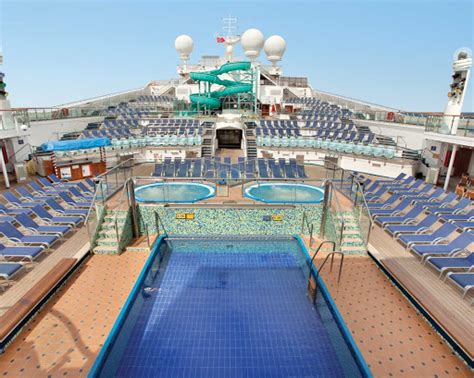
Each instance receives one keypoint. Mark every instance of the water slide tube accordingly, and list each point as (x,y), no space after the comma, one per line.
(212,99)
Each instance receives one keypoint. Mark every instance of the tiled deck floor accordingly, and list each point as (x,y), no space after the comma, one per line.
(393,337)
(65,338)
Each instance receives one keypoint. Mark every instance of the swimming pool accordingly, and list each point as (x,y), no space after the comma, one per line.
(280,192)
(186,192)
(224,308)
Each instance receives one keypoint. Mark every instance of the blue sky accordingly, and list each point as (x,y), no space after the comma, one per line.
(395,53)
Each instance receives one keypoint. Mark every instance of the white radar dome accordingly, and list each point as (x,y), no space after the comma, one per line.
(184,46)
(252,43)
(274,47)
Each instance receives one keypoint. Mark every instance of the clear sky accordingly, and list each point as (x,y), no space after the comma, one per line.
(396,53)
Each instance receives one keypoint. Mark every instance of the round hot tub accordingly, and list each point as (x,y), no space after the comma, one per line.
(284,193)
(181,192)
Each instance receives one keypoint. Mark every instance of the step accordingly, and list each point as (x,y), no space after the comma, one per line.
(103,249)
(110,242)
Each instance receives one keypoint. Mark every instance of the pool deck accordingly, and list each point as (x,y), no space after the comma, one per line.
(67,334)
(440,299)
(392,335)
(394,338)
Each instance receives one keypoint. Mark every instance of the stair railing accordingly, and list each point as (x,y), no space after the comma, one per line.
(315,273)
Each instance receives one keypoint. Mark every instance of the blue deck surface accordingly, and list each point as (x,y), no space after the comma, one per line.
(233,308)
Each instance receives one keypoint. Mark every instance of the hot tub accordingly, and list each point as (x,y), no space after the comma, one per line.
(279,192)
(181,192)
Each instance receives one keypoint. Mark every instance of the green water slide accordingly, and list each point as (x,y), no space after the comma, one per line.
(212,99)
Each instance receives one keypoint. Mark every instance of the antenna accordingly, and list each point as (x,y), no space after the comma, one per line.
(229,25)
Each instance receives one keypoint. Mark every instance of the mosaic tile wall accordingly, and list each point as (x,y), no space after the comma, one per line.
(229,221)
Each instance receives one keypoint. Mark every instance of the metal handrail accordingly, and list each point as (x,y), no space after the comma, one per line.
(318,271)
(309,226)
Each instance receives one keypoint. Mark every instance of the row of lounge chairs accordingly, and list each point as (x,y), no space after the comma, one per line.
(435,225)
(33,220)
(223,169)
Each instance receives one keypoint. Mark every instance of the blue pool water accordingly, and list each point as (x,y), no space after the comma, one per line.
(227,308)
(284,193)
(174,192)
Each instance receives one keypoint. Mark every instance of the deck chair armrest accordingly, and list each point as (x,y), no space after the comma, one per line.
(454,251)
(408,220)
(458,211)
(15,240)
(46,220)
(422,230)
(10,205)
(440,240)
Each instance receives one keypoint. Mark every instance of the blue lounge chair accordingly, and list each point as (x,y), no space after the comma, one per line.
(26,196)
(408,218)
(262,169)
(465,225)
(47,185)
(437,202)
(7,218)
(402,184)
(21,252)
(465,281)
(402,205)
(85,189)
(438,236)
(60,182)
(8,270)
(158,170)
(14,201)
(458,244)
(456,208)
(80,195)
(410,189)
(197,168)
(63,211)
(384,204)
(300,171)
(443,264)
(46,217)
(15,235)
(8,211)
(376,196)
(469,216)
(36,228)
(76,204)
(416,193)
(423,226)
(423,195)
(42,190)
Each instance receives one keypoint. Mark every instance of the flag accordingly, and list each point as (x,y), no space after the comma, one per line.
(220,39)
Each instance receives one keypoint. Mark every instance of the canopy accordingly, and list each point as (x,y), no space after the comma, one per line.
(64,145)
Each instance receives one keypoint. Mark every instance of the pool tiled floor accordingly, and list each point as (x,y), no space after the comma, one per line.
(227,311)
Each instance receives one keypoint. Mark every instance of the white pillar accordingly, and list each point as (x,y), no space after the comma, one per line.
(4,170)
(460,79)
(450,166)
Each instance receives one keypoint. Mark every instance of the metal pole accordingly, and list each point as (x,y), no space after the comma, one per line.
(326,203)
(450,167)
(4,170)
(133,205)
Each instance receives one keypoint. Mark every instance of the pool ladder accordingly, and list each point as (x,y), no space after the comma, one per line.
(315,273)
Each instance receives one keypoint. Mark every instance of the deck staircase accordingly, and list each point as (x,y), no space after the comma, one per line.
(385,140)
(352,243)
(251,140)
(107,242)
(206,149)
